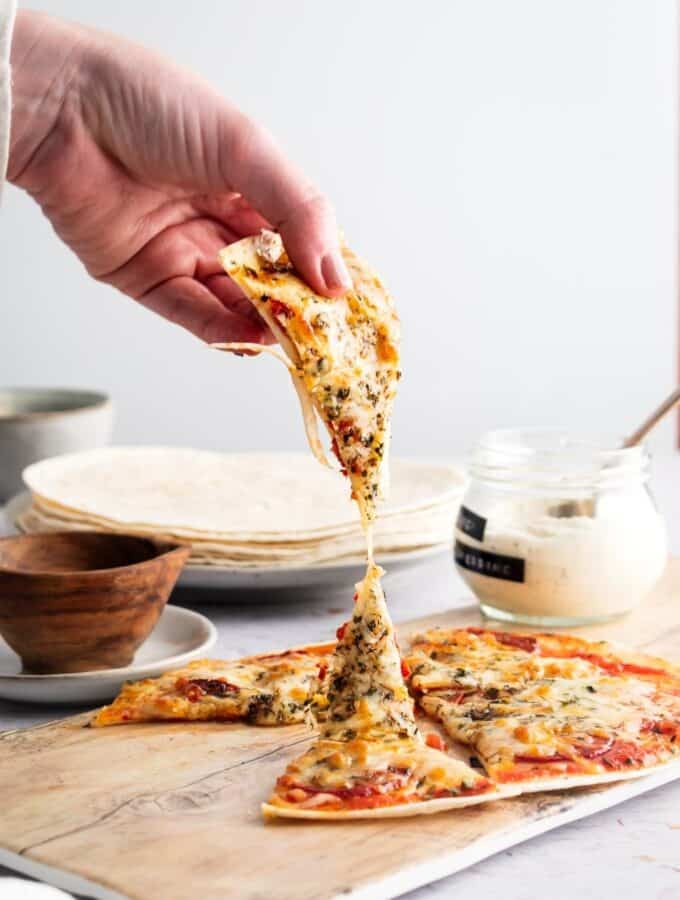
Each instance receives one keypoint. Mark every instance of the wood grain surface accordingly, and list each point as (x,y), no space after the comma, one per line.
(81,601)
(172,811)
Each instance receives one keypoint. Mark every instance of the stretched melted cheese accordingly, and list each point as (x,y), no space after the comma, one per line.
(365,688)
(345,352)
(265,690)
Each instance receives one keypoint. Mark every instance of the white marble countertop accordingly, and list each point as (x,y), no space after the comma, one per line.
(630,851)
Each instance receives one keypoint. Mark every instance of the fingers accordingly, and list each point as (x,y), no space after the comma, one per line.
(233,210)
(310,236)
(186,302)
(254,166)
(232,297)
(184,248)
(167,126)
(177,274)
(308,231)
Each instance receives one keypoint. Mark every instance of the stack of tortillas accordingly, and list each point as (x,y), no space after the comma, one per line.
(239,510)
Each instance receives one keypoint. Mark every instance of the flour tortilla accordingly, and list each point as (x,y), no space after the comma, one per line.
(306,406)
(417,808)
(566,782)
(433,526)
(245,496)
(342,549)
(399,534)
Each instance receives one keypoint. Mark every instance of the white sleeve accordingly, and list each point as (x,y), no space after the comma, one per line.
(7,11)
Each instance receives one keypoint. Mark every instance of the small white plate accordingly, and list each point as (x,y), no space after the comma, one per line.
(180,635)
(270,578)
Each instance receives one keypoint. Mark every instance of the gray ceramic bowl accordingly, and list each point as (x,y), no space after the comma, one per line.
(36,423)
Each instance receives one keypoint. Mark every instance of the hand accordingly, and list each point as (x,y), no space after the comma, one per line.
(145,172)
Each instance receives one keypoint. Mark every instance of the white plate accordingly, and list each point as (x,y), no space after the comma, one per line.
(324,575)
(327,575)
(180,635)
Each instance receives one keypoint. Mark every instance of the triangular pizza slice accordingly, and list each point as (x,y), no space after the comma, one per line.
(371,759)
(343,353)
(375,778)
(270,689)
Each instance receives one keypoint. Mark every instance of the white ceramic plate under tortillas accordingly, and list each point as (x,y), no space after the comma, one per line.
(333,575)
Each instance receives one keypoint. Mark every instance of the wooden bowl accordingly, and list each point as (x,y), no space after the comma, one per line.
(75,601)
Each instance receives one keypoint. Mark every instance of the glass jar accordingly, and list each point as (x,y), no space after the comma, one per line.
(558,531)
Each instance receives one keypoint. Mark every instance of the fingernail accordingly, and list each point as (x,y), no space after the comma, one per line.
(335,273)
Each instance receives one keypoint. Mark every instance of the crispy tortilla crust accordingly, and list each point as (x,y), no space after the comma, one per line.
(318,649)
(566,782)
(412,808)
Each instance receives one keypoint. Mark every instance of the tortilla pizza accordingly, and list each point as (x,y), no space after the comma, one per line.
(343,354)
(271,689)
(537,708)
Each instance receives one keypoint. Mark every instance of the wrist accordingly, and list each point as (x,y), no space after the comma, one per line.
(45,59)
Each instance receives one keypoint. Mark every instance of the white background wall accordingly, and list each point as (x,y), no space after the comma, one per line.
(509,167)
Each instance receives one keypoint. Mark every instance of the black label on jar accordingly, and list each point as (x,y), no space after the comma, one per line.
(494,565)
(470,523)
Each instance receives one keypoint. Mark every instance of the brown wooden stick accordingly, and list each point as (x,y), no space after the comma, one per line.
(637,436)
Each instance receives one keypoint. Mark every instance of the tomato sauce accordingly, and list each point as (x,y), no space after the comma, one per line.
(280,309)
(525,771)
(519,641)
(614,667)
(624,754)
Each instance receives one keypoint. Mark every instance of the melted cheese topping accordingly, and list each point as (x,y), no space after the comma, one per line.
(345,352)
(365,688)
(265,690)
(354,773)
(548,718)
(469,661)
(521,711)
(475,657)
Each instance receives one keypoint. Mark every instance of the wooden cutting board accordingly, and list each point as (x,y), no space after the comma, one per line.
(172,811)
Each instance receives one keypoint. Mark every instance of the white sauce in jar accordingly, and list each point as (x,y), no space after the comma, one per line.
(534,552)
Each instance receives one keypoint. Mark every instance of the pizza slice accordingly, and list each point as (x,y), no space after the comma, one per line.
(273,689)
(375,778)
(549,711)
(365,691)
(343,354)
(570,731)
(610,658)
(470,657)
(371,759)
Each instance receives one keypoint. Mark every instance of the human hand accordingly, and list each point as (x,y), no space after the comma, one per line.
(145,172)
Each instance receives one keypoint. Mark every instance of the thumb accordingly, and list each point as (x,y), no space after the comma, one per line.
(254,166)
